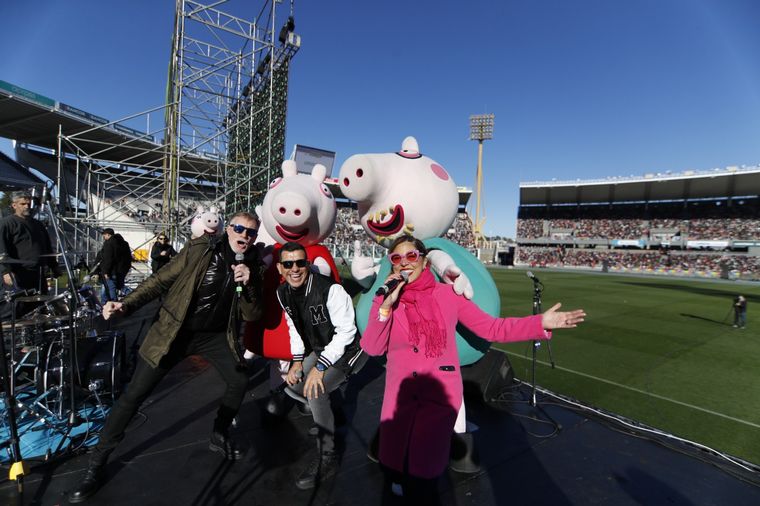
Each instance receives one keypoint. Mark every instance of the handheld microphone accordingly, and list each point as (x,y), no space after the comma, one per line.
(239,257)
(532,276)
(391,285)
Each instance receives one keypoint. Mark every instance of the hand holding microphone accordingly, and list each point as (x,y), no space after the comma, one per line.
(391,284)
(241,273)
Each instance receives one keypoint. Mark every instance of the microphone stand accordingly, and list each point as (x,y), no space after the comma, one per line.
(538,289)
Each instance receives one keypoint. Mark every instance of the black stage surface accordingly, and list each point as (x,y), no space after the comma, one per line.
(164,459)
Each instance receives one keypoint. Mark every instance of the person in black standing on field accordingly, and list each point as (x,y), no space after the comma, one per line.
(740,311)
(115,260)
(24,238)
(161,252)
(200,315)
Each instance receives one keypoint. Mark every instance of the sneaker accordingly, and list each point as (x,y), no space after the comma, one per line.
(397,490)
(222,443)
(735,326)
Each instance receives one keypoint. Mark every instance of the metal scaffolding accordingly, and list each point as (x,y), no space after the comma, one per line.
(218,140)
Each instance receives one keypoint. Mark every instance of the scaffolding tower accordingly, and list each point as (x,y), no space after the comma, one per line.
(218,140)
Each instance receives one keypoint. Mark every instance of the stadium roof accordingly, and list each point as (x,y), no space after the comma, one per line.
(35,119)
(14,175)
(717,183)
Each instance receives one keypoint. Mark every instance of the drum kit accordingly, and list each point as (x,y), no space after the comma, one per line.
(57,366)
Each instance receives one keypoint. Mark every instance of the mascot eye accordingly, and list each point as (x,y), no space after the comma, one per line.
(325,190)
(275,183)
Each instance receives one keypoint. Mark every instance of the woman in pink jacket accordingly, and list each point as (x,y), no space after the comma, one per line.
(415,327)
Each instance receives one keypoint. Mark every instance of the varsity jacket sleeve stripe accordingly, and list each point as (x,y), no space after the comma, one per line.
(341,311)
(297,347)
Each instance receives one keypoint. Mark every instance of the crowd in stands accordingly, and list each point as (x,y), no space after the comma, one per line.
(347,230)
(711,220)
(149,211)
(644,261)
(694,229)
(461,232)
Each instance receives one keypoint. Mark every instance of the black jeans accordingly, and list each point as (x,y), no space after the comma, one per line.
(211,346)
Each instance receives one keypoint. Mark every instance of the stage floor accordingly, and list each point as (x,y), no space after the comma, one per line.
(164,459)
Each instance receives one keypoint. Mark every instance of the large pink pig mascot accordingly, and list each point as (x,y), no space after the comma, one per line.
(298,208)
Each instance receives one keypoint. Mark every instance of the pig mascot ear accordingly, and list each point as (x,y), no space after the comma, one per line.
(289,168)
(319,172)
(410,147)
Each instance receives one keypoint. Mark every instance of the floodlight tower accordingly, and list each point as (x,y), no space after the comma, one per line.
(481,129)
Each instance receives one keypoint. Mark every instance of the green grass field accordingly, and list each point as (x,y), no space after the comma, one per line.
(658,350)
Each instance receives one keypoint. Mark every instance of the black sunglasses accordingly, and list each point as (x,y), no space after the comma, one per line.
(239,229)
(301,262)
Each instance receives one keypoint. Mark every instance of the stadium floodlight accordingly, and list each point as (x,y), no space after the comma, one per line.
(481,129)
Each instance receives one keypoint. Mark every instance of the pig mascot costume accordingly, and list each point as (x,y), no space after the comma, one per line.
(409,193)
(298,208)
(206,221)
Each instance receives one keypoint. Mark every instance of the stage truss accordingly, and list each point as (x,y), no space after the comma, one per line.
(218,140)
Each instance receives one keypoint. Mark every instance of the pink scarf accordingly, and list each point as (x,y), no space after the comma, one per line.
(424,314)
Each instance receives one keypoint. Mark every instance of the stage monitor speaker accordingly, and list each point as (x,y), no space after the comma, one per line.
(488,377)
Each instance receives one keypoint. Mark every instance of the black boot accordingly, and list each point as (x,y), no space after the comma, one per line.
(321,468)
(222,443)
(93,479)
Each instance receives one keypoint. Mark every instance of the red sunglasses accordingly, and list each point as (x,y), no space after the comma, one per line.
(411,257)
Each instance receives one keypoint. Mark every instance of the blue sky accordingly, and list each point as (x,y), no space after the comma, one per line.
(579,88)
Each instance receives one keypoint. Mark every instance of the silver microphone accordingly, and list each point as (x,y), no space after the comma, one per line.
(532,276)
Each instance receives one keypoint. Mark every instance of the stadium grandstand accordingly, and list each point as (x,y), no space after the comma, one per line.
(695,223)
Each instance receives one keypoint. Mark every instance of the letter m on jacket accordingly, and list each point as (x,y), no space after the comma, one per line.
(318,314)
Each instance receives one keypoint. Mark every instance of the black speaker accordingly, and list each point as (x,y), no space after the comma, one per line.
(488,377)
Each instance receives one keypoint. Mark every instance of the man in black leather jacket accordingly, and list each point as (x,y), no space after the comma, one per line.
(206,290)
